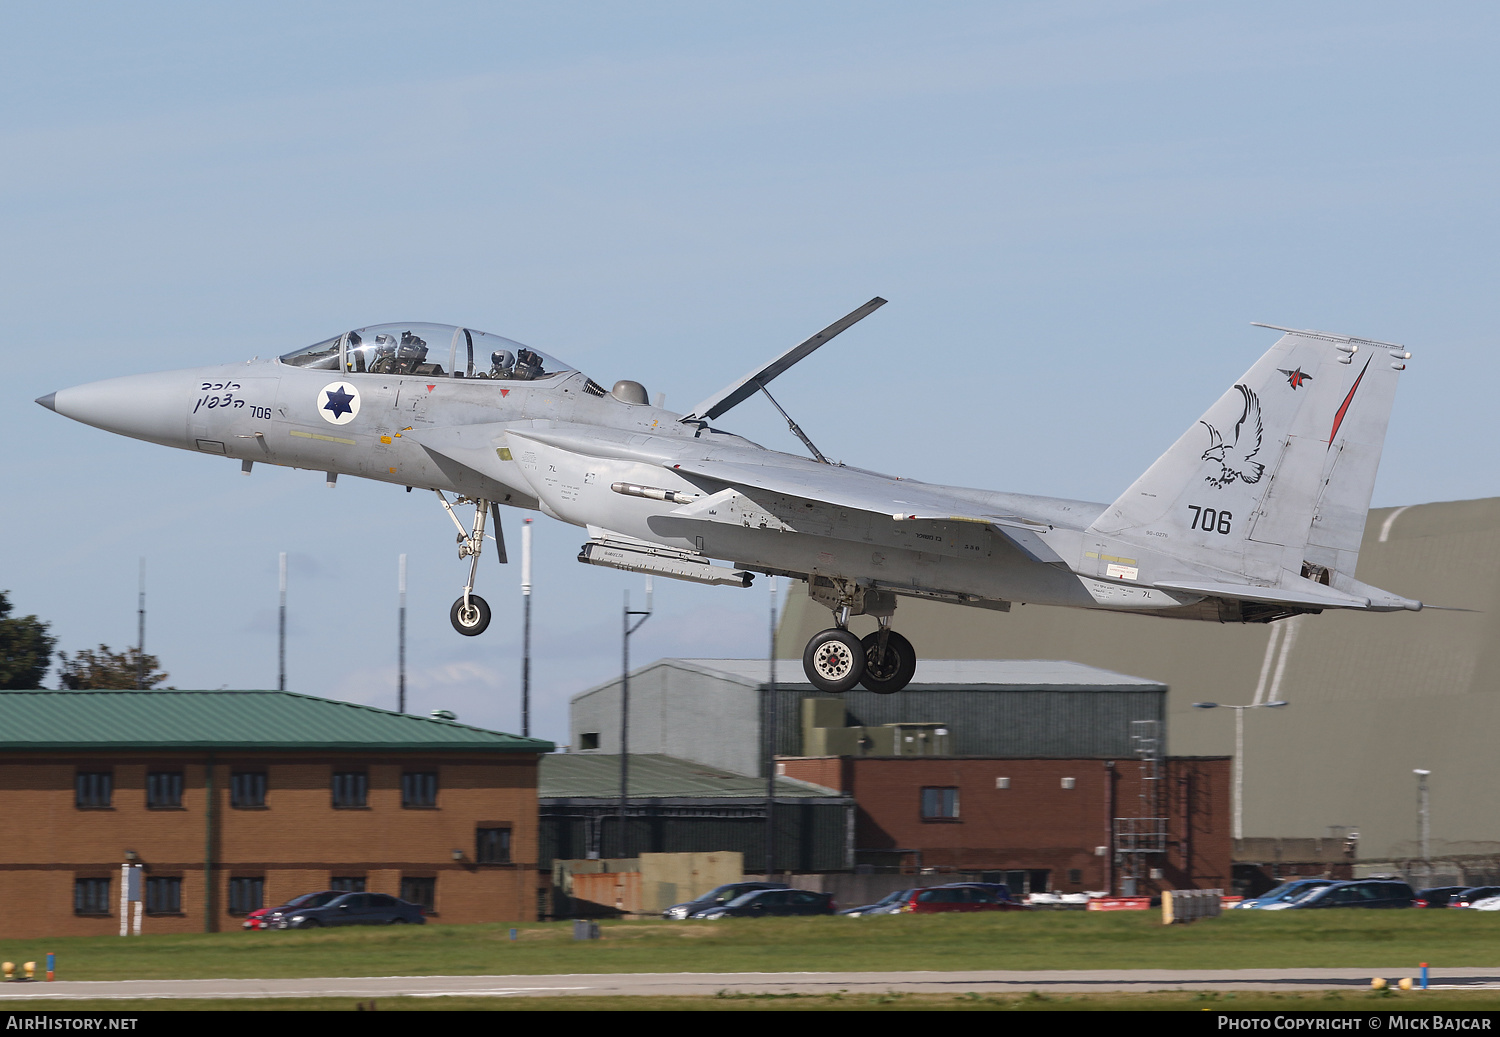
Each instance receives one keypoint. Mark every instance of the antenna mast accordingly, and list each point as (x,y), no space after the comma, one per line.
(140,614)
(281,632)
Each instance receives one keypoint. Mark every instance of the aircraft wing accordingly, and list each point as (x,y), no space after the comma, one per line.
(899,499)
(748,386)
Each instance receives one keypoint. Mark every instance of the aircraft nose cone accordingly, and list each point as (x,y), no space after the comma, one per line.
(152,407)
(49,401)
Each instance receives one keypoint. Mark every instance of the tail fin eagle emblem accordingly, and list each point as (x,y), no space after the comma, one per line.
(1236,460)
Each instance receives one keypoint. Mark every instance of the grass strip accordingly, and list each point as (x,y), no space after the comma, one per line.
(1157,1001)
(1379,940)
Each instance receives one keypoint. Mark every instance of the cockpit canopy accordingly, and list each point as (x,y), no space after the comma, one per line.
(429,350)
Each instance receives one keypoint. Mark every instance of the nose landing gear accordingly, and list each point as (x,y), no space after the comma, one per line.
(835,660)
(470,614)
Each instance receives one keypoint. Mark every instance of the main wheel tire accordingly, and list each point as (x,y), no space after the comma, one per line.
(887,673)
(470,621)
(834,661)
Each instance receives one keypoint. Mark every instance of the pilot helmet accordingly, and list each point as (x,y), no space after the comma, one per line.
(502,360)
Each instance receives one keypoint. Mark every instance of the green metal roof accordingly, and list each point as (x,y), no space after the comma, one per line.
(597,776)
(167,720)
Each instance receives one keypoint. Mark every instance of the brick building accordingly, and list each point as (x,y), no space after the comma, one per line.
(233,800)
(1039,824)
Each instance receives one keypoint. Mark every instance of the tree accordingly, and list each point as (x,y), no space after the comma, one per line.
(105,669)
(25,649)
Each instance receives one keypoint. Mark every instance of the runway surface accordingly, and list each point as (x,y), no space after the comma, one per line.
(709,983)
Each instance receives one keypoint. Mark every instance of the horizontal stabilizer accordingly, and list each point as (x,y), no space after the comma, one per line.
(1311,596)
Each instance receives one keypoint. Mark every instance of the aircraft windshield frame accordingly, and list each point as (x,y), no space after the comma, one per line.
(429,350)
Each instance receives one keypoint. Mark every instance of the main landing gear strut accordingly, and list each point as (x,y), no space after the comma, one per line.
(470,614)
(835,660)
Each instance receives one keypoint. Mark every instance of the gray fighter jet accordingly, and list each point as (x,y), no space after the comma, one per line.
(1253,515)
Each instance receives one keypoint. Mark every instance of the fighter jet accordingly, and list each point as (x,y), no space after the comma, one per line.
(1255,514)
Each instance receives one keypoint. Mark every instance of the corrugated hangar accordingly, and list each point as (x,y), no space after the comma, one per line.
(681,806)
(1370,698)
(713,711)
(1042,775)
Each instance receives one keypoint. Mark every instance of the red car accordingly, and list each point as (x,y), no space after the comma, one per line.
(936,899)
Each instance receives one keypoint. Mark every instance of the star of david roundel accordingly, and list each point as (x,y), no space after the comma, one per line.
(338,403)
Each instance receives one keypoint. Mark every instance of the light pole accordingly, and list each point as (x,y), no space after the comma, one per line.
(526,629)
(770,716)
(628,629)
(1239,755)
(1424,820)
(281,628)
(401,635)
(140,611)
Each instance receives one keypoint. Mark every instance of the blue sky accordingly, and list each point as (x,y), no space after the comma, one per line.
(1075,210)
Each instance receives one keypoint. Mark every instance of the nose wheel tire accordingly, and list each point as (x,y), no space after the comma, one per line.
(834,661)
(471,620)
(887,673)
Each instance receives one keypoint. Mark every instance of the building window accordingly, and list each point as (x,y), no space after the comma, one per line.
(347,883)
(419,789)
(246,894)
(492,845)
(94,789)
(419,891)
(247,790)
(163,896)
(588,740)
(91,896)
(164,790)
(1075,876)
(349,789)
(939,804)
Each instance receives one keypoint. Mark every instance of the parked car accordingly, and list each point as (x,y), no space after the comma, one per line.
(941,899)
(1487,904)
(1362,893)
(717,897)
(1285,892)
(349,909)
(763,903)
(884,906)
(1472,895)
(261,918)
(1000,889)
(1437,896)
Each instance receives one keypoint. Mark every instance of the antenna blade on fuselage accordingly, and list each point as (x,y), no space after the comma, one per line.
(748,386)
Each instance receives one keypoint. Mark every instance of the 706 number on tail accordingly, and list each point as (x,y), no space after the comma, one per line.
(1210,520)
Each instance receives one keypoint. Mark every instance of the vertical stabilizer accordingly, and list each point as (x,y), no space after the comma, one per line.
(1276,476)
